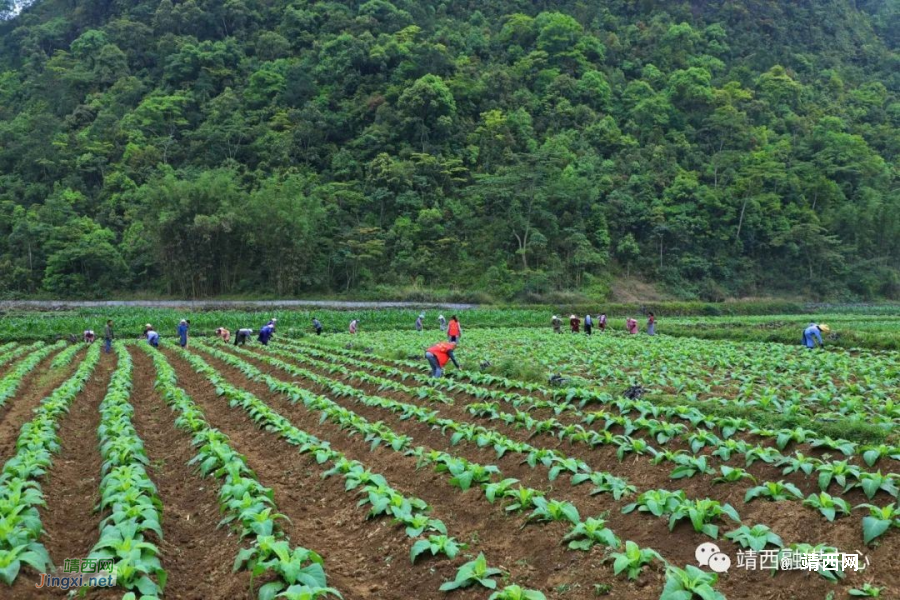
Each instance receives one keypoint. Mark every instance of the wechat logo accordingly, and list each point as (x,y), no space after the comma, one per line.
(709,555)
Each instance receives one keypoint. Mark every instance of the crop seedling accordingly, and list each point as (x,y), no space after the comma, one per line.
(867,591)
(472,572)
(554,510)
(830,506)
(633,560)
(592,531)
(690,582)
(756,537)
(879,520)
(733,475)
(774,491)
(514,592)
(701,513)
(436,544)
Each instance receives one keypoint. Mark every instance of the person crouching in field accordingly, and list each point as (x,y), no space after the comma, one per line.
(317,325)
(223,334)
(243,336)
(631,325)
(89,336)
(812,333)
(438,355)
(354,325)
(152,336)
(265,334)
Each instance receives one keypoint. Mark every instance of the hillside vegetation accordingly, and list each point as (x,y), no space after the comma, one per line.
(208,147)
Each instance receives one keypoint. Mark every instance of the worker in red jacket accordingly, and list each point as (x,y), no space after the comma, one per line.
(438,355)
(453,329)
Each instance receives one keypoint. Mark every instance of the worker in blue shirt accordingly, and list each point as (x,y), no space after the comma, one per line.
(183,333)
(813,333)
(265,334)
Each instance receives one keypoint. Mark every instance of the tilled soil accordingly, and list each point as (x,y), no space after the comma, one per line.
(533,555)
(19,409)
(72,487)
(365,560)
(791,520)
(196,553)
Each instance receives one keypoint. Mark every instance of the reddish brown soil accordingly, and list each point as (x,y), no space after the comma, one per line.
(197,555)
(71,488)
(18,410)
(532,554)
(789,519)
(365,560)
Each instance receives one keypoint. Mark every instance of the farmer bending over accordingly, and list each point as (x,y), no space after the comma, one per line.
(438,355)
(265,334)
(223,334)
(812,333)
(89,336)
(243,335)
(152,337)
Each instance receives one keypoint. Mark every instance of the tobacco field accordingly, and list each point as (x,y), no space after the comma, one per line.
(549,466)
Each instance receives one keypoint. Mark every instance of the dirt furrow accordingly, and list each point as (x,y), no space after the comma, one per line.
(790,519)
(71,488)
(196,554)
(19,409)
(364,560)
(533,554)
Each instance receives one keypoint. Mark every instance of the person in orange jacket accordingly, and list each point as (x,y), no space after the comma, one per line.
(438,355)
(453,329)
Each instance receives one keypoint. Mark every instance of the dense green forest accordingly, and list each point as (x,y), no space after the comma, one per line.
(207,147)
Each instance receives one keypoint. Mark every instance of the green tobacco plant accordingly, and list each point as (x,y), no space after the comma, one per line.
(514,592)
(756,537)
(879,520)
(701,514)
(591,531)
(688,583)
(775,491)
(830,506)
(733,475)
(633,560)
(473,572)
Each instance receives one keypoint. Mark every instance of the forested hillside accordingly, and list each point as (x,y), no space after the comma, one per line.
(202,147)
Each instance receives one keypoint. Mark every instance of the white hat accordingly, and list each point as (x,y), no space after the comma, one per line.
(274,320)
(573,317)
(183,321)
(148,325)
(440,316)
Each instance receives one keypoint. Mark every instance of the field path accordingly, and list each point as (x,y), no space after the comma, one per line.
(197,555)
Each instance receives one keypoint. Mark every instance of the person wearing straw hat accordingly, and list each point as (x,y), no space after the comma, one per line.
(814,332)
(442,322)
(556,322)
(419,324)
(575,324)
